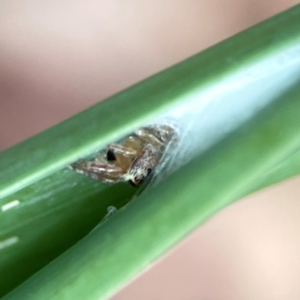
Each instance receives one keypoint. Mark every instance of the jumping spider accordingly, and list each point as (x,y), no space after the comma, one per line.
(133,161)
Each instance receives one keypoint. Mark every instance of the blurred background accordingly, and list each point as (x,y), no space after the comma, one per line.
(60,57)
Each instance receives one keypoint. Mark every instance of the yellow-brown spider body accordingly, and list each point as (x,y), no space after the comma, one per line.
(131,161)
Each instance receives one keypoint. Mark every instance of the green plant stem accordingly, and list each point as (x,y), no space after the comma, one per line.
(174,208)
(57,208)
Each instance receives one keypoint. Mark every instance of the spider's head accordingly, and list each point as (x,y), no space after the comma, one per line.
(138,177)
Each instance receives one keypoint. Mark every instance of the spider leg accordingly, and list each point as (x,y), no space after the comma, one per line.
(99,171)
(123,150)
(157,135)
(148,137)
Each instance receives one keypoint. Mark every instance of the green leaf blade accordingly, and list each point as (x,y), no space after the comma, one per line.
(262,61)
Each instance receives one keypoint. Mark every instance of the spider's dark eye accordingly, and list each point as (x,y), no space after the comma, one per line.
(149,171)
(110,155)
